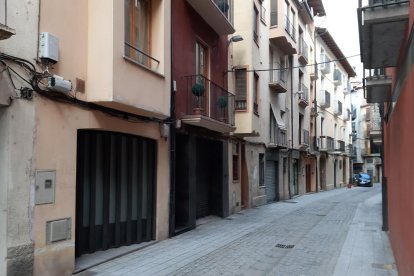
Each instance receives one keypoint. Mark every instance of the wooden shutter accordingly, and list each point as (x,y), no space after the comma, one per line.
(241,84)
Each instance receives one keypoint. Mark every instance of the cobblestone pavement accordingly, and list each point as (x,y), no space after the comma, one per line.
(307,235)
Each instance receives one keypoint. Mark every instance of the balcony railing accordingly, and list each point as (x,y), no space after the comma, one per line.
(303,50)
(290,29)
(340,146)
(384,2)
(216,13)
(136,55)
(337,77)
(304,137)
(278,137)
(326,143)
(325,64)
(5,31)
(277,78)
(225,7)
(303,95)
(338,108)
(206,98)
(325,99)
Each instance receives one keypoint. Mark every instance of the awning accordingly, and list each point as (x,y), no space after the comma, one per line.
(279,121)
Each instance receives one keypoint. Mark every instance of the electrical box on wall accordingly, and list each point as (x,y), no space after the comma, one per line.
(45,187)
(48,48)
(58,230)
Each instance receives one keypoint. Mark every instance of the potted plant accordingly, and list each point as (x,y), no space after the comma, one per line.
(223,6)
(222,103)
(198,90)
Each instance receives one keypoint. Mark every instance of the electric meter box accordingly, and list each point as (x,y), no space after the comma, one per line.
(48,48)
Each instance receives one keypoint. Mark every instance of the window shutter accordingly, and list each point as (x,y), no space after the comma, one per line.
(241,84)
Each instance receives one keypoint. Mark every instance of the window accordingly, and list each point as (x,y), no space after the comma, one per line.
(261,169)
(236,162)
(262,13)
(137,31)
(201,60)
(256,94)
(256,25)
(241,89)
(273,12)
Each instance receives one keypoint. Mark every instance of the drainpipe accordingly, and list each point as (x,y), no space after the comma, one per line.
(172,145)
(315,107)
(291,124)
(384,183)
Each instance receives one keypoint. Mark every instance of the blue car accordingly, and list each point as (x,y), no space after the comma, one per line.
(364,180)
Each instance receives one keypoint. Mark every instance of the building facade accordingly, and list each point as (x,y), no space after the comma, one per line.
(89,166)
(204,109)
(387,47)
(332,113)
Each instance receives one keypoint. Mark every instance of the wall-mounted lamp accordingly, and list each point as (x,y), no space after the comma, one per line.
(235,38)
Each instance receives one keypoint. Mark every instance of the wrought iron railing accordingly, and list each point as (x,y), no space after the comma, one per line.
(277,73)
(326,143)
(325,64)
(140,57)
(278,137)
(207,98)
(303,48)
(338,108)
(325,99)
(340,146)
(338,76)
(290,29)
(303,93)
(304,137)
(385,2)
(226,7)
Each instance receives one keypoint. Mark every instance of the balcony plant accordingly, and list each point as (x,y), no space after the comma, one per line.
(198,90)
(223,6)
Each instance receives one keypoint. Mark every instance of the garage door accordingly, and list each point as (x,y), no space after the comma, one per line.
(270,181)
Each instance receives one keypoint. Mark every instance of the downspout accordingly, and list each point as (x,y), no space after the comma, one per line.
(172,145)
(291,178)
(384,183)
(315,107)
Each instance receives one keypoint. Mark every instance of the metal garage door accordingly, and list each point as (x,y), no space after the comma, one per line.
(270,181)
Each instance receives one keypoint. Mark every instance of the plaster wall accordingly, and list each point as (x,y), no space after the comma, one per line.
(234,184)
(61,122)
(257,193)
(17,135)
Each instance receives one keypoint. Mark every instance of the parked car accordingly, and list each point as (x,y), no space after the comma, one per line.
(364,180)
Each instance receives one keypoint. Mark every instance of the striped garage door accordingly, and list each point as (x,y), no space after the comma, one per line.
(270,181)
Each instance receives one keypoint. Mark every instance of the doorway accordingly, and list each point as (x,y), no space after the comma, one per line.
(271,181)
(308,178)
(115,190)
(335,171)
(322,172)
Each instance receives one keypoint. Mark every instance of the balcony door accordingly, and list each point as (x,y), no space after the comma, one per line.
(201,71)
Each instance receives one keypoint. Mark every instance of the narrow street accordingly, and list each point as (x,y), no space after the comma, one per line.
(328,233)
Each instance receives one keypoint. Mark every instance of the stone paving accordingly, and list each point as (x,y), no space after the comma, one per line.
(315,234)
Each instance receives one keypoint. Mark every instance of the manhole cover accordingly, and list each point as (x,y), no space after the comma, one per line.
(286,246)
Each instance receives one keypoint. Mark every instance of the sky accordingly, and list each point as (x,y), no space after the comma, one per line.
(342,22)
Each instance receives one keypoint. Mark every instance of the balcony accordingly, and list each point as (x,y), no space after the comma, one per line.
(348,88)
(326,144)
(339,146)
(5,31)
(303,96)
(304,139)
(337,77)
(277,78)
(278,138)
(208,105)
(217,13)
(378,86)
(282,33)
(305,12)
(325,101)
(338,108)
(347,115)
(349,150)
(325,64)
(303,51)
(382,26)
